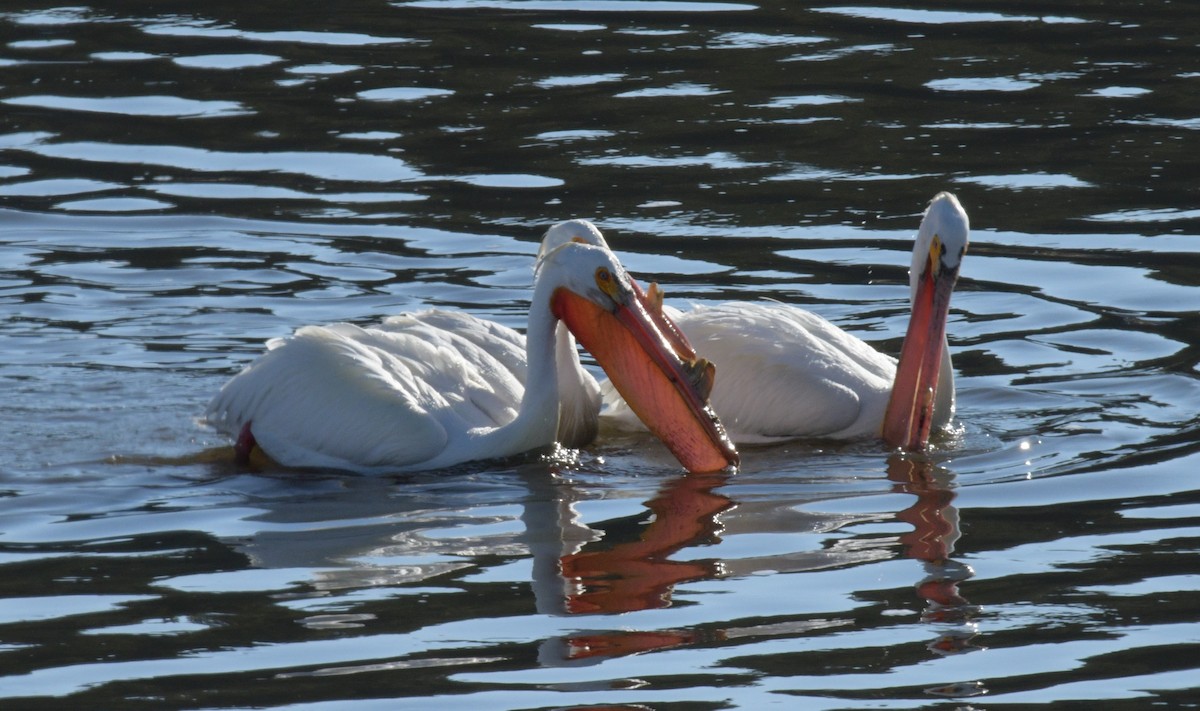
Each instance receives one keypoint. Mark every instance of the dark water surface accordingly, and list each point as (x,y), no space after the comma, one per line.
(177,186)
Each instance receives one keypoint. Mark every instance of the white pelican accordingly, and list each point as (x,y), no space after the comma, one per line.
(434,389)
(785,372)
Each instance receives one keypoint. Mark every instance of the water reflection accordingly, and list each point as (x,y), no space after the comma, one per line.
(934,519)
(638,574)
(600,575)
(357,543)
(633,563)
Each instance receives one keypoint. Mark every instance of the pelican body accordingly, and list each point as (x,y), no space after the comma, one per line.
(788,373)
(436,388)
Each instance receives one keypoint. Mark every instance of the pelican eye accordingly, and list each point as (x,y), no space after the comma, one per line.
(607,282)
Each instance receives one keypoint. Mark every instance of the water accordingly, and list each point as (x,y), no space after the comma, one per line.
(177,188)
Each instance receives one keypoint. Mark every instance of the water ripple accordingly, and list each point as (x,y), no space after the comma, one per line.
(136,105)
(208,29)
(938,17)
(580,5)
(227,61)
(329,165)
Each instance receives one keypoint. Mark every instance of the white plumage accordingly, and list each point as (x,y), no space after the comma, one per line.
(346,397)
(434,388)
(783,372)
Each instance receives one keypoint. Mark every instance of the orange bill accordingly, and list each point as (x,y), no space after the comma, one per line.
(653,303)
(667,393)
(909,415)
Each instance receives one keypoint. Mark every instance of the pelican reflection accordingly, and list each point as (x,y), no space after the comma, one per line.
(935,523)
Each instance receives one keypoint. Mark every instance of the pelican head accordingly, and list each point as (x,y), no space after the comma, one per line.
(584,232)
(562,233)
(938,252)
(591,293)
(941,240)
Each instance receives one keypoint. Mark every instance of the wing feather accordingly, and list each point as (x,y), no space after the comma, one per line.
(348,397)
(784,372)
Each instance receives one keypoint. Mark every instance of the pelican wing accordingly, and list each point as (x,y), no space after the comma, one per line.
(579,406)
(504,345)
(347,397)
(785,372)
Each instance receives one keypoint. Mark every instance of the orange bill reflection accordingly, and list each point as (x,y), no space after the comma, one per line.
(638,574)
(934,519)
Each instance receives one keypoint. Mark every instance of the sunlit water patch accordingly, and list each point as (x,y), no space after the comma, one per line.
(1032,180)
(135,105)
(585,6)
(937,17)
(402,93)
(1119,92)
(582,80)
(41,44)
(982,84)
(674,90)
(227,62)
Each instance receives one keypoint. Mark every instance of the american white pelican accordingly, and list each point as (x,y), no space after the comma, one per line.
(434,389)
(785,372)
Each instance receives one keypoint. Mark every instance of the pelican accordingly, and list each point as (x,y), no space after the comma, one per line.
(436,388)
(788,373)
